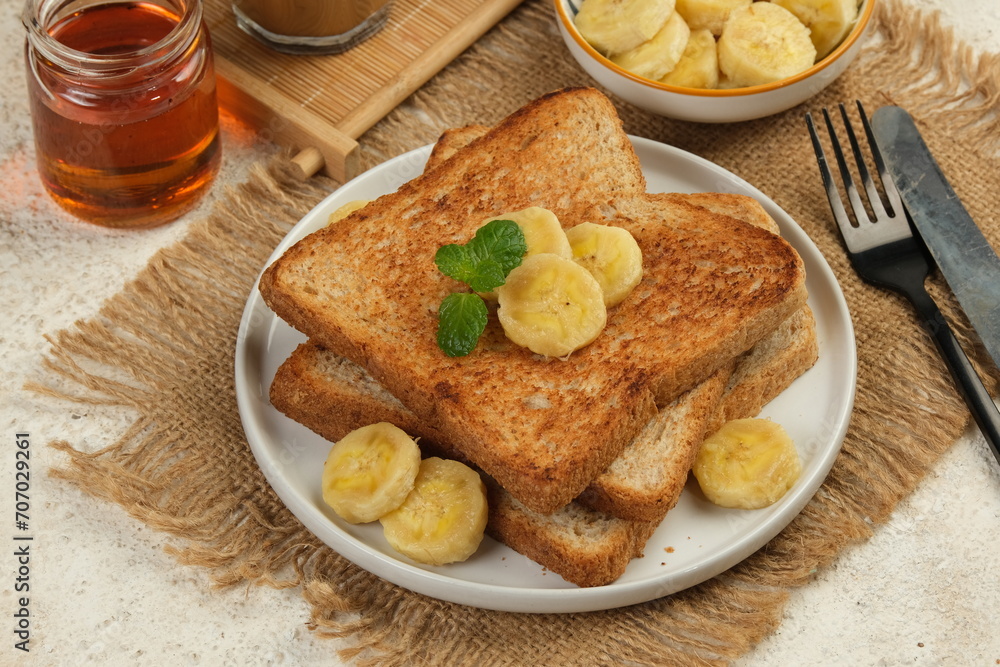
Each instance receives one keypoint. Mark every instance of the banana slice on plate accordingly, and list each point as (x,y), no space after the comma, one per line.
(551,305)
(709,14)
(346,210)
(443,518)
(369,472)
(654,58)
(617,26)
(699,66)
(542,233)
(611,255)
(763,43)
(747,464)
(828,21)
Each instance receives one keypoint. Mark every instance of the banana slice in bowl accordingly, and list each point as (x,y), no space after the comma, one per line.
(709,15)
(617,26)
(660,55)
(699,66)
(764,43)
(829,21)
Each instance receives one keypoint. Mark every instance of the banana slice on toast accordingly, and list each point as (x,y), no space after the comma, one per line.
(369,472)
(611,255)
(747,464)
(443,518)
(551,305)
(542,234)
(346,209)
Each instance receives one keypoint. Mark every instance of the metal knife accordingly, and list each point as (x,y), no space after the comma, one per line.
(964,256)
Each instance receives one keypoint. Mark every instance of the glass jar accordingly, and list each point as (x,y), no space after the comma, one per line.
(311,26)
(124,107)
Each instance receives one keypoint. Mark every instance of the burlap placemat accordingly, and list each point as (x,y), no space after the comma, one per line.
(163,349)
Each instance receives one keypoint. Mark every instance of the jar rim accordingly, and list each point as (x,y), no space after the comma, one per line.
(39,16)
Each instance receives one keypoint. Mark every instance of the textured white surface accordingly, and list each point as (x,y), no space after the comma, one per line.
(922,591)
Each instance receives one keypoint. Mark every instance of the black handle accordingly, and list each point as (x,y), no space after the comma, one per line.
(984,411)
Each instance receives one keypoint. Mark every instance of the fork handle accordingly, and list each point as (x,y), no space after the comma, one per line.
(984,410)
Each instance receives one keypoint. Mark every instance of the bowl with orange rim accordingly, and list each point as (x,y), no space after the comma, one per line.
(619,62)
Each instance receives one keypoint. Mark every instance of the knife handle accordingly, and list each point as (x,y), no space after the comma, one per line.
(984,410)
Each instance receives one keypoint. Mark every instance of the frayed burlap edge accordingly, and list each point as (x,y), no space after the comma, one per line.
(162,349)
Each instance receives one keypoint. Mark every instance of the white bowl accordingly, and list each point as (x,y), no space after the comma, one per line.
(711,106)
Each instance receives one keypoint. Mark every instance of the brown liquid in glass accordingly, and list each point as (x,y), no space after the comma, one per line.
(125,153)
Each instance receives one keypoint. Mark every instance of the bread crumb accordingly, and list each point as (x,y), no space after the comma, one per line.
(920,644)
(669,550)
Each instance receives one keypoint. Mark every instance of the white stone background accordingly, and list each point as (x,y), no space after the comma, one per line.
(924,590)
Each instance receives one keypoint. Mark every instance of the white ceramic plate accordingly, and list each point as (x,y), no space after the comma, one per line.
(697,540)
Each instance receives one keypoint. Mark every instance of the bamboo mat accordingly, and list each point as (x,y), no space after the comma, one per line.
(324,103)
(183,467)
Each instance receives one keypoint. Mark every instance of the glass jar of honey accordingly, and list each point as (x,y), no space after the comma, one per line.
(124,107)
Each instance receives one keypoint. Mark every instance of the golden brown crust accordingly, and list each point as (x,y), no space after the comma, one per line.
(564,542)
(367,288)
(587,547)
(332,396)
(769,369)
(645,482)
(451,141)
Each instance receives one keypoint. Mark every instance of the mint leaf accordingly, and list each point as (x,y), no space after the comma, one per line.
(461,321)
(455,262)
(502,242)
(483,264)
(489,275)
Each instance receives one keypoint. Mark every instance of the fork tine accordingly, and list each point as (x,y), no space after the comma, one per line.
(874,199)
(832,193)
(894,203)
(860,214)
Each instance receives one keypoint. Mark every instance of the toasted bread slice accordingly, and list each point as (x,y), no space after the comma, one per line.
(588,547)
(332,396)
(644,483)
(583,546)
(451,141)
(367,289)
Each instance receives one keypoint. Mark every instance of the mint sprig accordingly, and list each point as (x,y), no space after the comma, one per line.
(461,321)
(483,264)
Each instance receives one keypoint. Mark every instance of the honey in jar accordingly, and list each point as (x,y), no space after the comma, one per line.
(124,107)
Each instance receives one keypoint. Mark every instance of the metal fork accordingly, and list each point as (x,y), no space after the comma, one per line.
(886,253)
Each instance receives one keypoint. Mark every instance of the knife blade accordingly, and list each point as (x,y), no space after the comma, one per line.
(968,263)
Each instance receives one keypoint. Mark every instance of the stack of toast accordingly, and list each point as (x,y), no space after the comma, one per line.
(583,456)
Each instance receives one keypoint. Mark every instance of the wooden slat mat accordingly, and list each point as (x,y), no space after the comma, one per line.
(326,102)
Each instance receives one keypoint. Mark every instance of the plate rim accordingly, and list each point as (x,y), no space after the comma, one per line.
(529,599)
